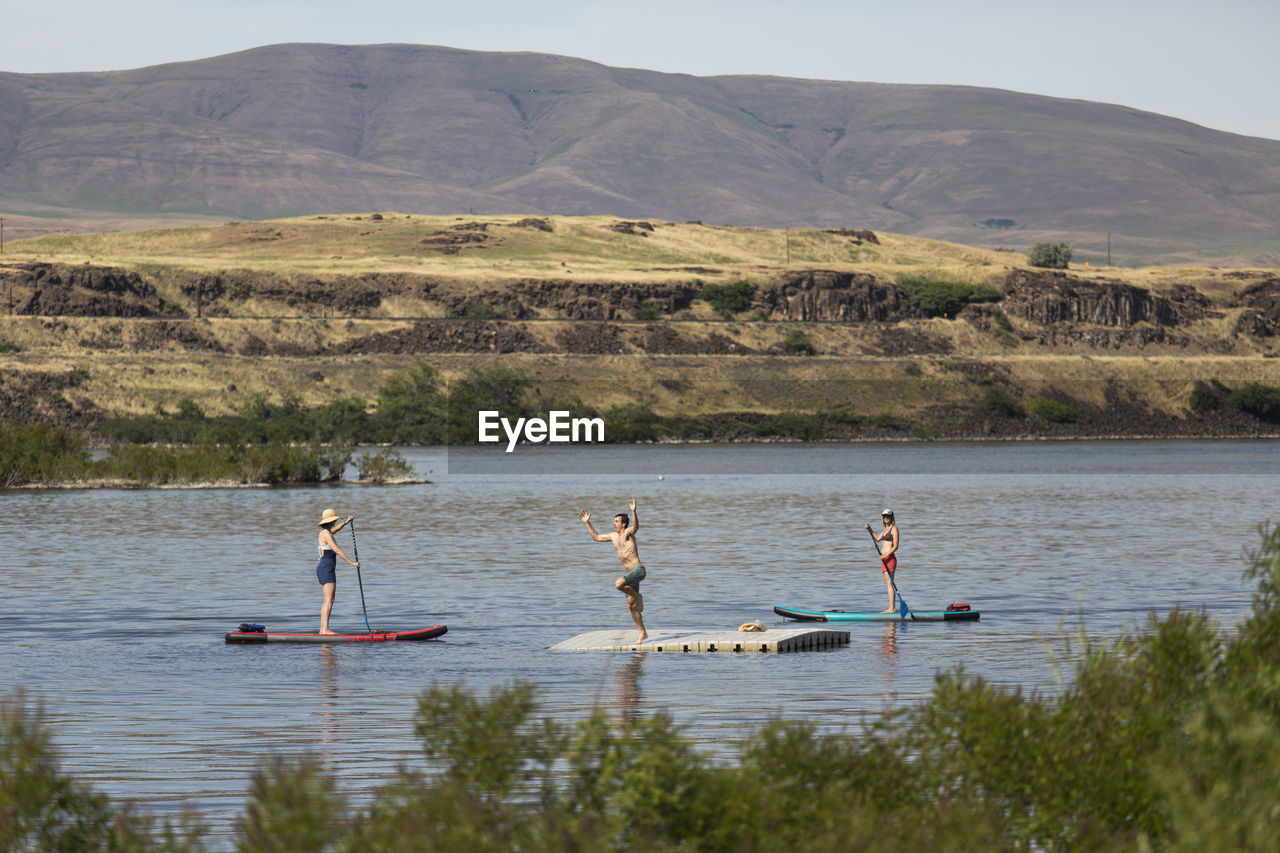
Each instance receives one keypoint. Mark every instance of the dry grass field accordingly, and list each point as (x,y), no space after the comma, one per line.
(271,336)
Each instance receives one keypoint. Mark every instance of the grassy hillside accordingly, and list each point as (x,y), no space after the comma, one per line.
(320,307)
(507,248)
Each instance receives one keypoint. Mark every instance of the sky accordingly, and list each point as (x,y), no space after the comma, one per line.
(1212,64)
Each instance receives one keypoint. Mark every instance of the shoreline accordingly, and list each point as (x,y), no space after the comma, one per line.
(129,485)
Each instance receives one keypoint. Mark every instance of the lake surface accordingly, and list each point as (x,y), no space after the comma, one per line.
(115,602)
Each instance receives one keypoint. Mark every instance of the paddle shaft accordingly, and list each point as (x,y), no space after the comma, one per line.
(355,552)
(888,574)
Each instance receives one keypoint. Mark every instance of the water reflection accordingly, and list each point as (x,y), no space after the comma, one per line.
(888,654)
(626,688)
(330,707)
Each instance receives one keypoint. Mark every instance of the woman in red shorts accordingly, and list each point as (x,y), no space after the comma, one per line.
(888,556)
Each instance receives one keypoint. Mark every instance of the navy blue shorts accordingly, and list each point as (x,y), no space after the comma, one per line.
(326,569)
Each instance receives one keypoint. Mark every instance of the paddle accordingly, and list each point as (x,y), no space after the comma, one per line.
(903,610)
(355,552)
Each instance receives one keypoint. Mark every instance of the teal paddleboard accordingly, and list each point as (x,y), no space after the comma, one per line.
(802,615)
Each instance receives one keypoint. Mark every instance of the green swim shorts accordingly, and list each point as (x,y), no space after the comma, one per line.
(634,576)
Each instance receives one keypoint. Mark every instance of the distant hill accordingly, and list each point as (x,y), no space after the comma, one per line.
(307,128)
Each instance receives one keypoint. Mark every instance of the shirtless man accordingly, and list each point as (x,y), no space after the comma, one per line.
(623,538)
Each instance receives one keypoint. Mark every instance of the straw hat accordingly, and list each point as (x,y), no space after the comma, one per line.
(329,516)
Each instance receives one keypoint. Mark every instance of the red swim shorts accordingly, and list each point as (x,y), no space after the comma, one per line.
(889,564)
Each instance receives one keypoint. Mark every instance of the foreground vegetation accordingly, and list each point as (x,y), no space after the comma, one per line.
(1167,739)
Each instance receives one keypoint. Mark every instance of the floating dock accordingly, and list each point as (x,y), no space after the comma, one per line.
(774,640)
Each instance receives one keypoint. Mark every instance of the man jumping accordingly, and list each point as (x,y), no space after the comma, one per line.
(623,538)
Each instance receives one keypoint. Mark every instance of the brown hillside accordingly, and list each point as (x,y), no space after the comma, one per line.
(292,129)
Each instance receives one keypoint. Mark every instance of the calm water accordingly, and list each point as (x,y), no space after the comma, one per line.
(116,601)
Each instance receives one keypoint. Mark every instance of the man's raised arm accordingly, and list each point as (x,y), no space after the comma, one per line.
(586,519)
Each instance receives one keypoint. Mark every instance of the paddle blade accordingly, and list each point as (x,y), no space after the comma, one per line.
(902,606)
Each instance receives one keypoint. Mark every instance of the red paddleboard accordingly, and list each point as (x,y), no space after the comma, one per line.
(366,637)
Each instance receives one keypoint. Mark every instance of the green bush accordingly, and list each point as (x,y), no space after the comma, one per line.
(729,299)
(40,454)
(998,399)
(43,808)
(939,298)
(1052,410)
(797,425)
(1055,256)
(485,389)
(411,408)
(886,420)
(631,422)
(797,342)
(1203,400)
(1261,401)
(844,416)
(649,309)
(273,463)
(479,310)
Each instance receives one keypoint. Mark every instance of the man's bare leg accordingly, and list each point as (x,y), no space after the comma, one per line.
(635,603)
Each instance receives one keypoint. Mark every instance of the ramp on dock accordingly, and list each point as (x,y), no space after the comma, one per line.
(774,640)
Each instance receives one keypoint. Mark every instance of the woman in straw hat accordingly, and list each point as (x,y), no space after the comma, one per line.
(325,569)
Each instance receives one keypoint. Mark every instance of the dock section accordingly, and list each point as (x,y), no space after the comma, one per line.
(774,640)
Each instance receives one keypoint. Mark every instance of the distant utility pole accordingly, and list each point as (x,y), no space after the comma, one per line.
(1108,248)
(1,235)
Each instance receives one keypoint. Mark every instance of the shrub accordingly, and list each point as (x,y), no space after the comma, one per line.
(631,422)
(886,420)
(479,310)
(797,343)
(729,299)
(383,466)
(1203,400)
(998,399)
(1261,401)
(1052,410)
(341,419)
(913,369)
(40,453)
(1055,256)
(493,388)
(649,309)
(939,298)
(795,425)
(411,408)
(844,416)
(41,807)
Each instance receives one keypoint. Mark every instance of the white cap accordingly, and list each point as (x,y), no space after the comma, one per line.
(887,512)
